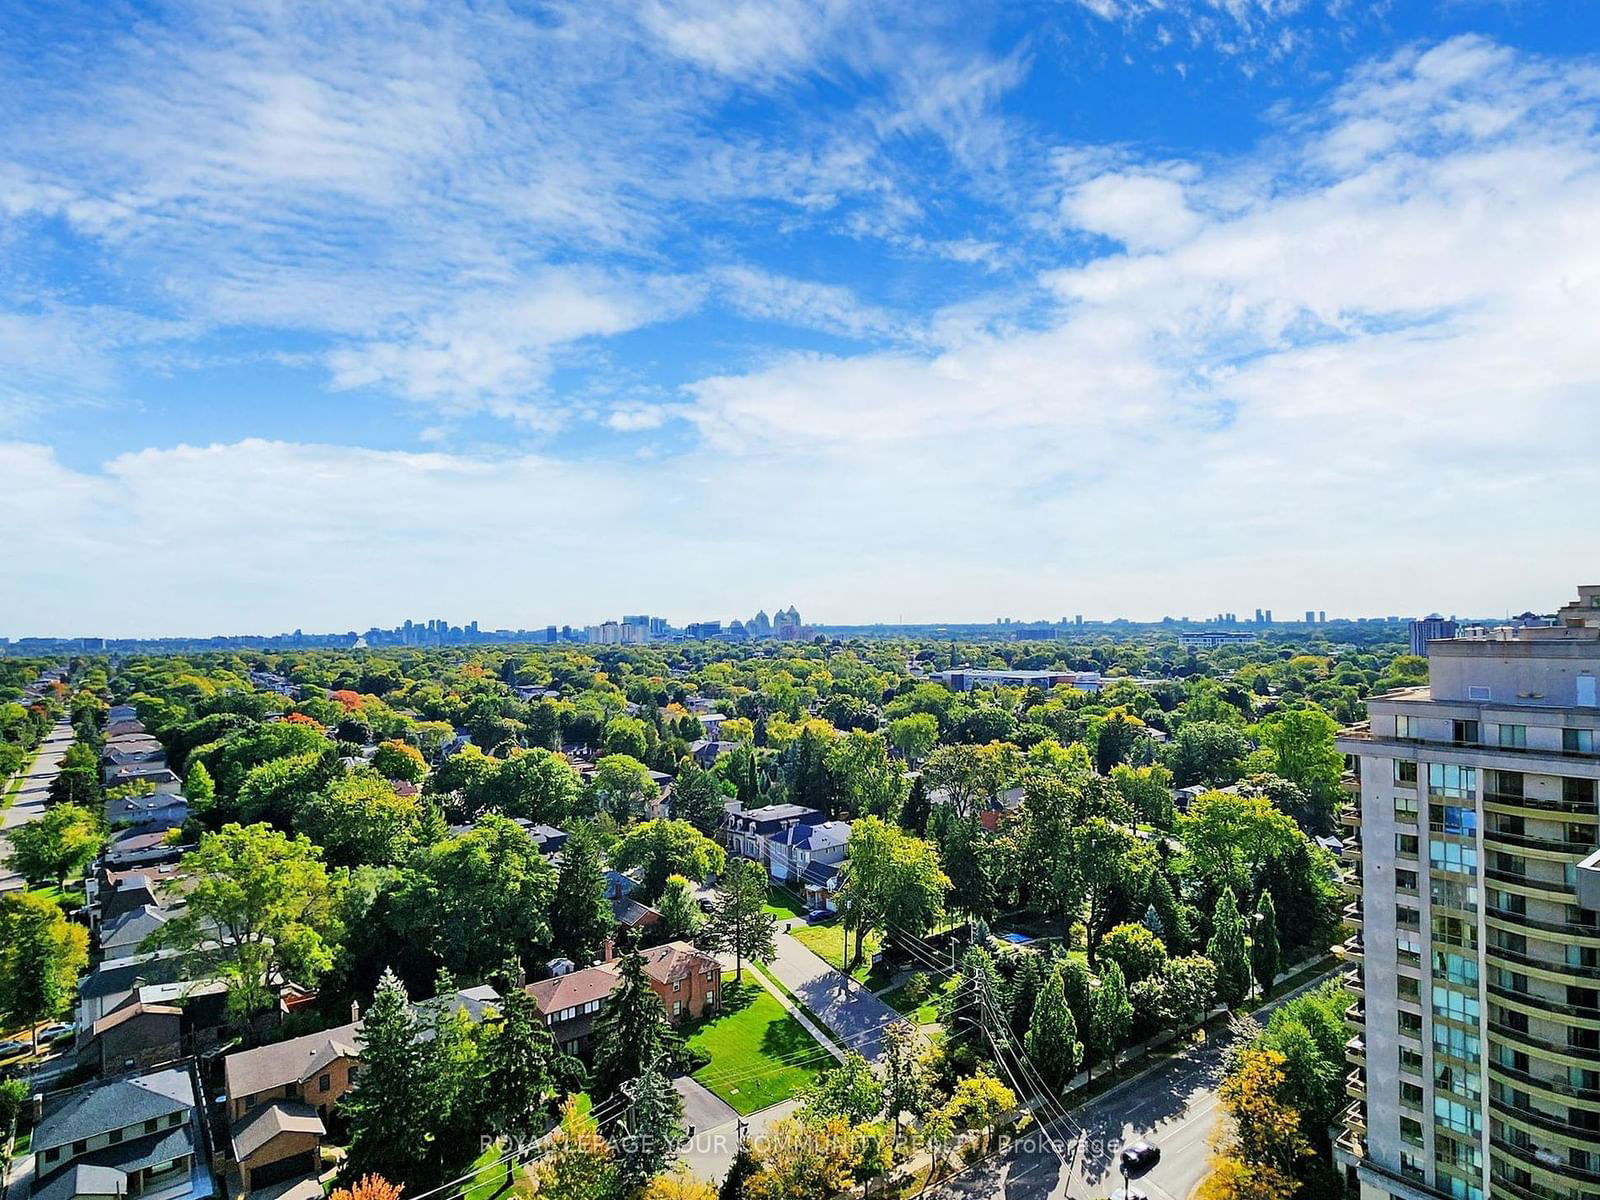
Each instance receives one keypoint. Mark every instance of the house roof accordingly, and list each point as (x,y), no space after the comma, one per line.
(129,1011)
(818,837)
(633,913)
(294,1061)
(133,927)
(84,1179)
(779,812)
(148,770)
(573,990)
(675,960)
(137,843)
(108,979)
(114,1105)
(284,1116)
(305,1187)
(820,874)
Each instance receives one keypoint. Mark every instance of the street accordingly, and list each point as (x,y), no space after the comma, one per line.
(29,800)
(1173,1107)
(855,1015)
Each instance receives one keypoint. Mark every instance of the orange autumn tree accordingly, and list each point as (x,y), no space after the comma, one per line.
(369,1187)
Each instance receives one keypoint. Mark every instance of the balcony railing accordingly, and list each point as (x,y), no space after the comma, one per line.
(1556,1087)
(1524,921)
(1558,889)
(1559,967)
(1560,1126)
(1544,1003)
(1528,841)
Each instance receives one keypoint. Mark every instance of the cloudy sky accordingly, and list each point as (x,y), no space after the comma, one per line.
(326,315)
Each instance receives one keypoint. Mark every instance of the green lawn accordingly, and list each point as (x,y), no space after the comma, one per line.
(782,903)
(827,942)
(492,1182)
(759,1053)
(918,997)
(15,785)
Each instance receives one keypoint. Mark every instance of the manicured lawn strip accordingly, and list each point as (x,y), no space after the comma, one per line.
(759,1054)
(795,1000)
(827,942)
(492,1182)
(782,903)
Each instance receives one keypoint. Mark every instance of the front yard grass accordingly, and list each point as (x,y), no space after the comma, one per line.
(759,1054)
(782,903)
(491,1181)
(827,943)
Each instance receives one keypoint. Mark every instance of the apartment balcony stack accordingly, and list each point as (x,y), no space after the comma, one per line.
(1475,1021)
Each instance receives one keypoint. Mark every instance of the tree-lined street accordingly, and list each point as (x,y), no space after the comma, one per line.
(29,800)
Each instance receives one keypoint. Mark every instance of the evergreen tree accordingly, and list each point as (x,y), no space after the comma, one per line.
(740,924)
(580,914)
(650,1129)
(1264,953)
(1079,987)
(966,854)
(1152,922)
(915,812)
(905,1083)
(1113,1014)
(1175,931)
(1052,1037)
(1033,973)
(977,987)
(391,1109)
(633,1033)
(1227,950)
(696,798)
(517,1084)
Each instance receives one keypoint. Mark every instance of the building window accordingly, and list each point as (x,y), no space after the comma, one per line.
(1405,772)
(1410,1060)
(1450,1003)
(52,1154)
(1578,793)
(324,1082)
(1464,733)
(1405,808)
(1411,1094)
(1514,736)
(1449,779)
(114,1136)
(1406,727)
(1406,845)
(1411,1131)
(174,1120)
(1452,856)
(677,1008)
(1405,881)
(676,984)
(151,1125)
(1577,741)
(1455,819)
(1408,948)
(80,1146)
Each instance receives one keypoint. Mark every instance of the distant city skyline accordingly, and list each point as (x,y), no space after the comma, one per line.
(431,630)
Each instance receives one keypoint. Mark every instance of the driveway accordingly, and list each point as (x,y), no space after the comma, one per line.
(701,1108)
(28,803)
(710,1151)
(856,1016)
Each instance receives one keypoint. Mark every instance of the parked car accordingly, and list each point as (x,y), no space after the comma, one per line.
(1139,1158)
(52,1033)
(11,1049)
(1131,1193)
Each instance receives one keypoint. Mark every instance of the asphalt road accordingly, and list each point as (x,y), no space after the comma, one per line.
(29,800)
(1174,1107)
(854,1014)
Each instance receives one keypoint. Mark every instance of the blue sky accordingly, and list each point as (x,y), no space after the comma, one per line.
(324,315)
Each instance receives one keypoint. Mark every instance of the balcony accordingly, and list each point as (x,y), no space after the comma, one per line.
(1353,914)
(1519,921)
(1354,1117)
(1529,841)
(1538,805)
(1350,814)
(1356,1050)
(1555,889)
(1504,954)
(1356,1016)
(1351,950)
(1557,1089)
(1559,1127)
(1545,1160)
(1353,982)
(1355,1085)
(1543,1006)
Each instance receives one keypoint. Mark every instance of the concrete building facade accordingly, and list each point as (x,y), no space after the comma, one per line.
(1475,1065)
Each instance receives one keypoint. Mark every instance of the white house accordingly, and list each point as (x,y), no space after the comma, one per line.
(799,846)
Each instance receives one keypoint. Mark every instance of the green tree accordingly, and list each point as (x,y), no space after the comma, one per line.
(696,798)
(539,785)
(632,1035)
(395,759)
(1136,950)
(965,1007)
(914,736)
(1228,838)
(517,1080)
(1228,951)
(1175,929)
(621,785)
(393,1107)
(271,897)
(1208,752)
(199,789)
(651,1127)
(1148,791)
(680,911)
(1052,1038)
(1301,740)
(968,854)
(629,736)
(905,1080)
(891,882)
(1264,944)
(580,914)
(867,781)
(359,819)
(61,841)
(274,790)
(577,1163)
(740,924)
(968,778)
(666,847)
(41,955)
(850,1090)
(1113,1015)
(1114,865)
(481,899)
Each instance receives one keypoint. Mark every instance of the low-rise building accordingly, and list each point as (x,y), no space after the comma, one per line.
(315,1070)
(965,679)
(687,980)
(748,832)
(139,1136)
(791,852)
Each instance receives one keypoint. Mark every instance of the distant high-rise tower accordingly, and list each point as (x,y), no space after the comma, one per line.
(1427,629)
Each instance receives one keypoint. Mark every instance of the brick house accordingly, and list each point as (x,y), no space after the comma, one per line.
(316,1070)
(687,981)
